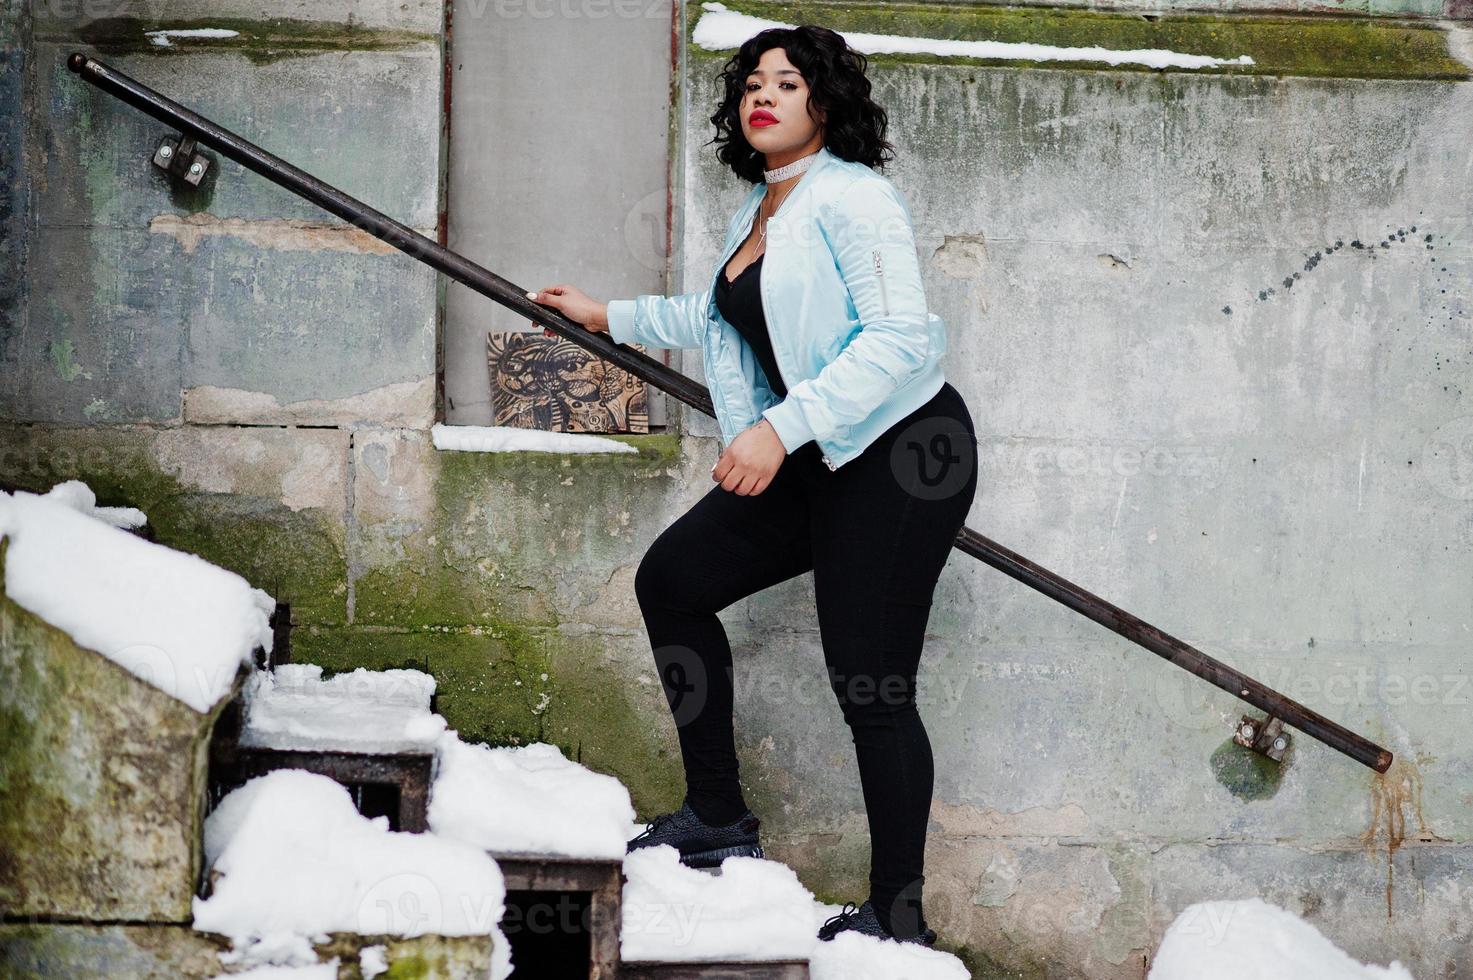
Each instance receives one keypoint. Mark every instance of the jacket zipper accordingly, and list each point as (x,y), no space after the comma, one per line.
(880,274)
(721,273)
(762,295)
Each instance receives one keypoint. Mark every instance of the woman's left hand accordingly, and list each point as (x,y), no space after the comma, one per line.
(748,465)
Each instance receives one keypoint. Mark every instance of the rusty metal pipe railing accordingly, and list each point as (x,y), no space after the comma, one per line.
(488,284)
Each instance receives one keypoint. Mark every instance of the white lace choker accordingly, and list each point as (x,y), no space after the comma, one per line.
(789,170)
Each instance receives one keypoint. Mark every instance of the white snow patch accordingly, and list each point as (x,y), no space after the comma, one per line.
(381,712)
(291,860)
(754,910)
(720,29)
(510,438)
(164,38)
(319,971)
(1231,939)
(169,617)
(851,956)
(527,798)
(372,960)
(79,496)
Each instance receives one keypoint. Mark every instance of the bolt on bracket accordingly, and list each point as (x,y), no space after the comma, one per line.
(1266,737)
(179,159)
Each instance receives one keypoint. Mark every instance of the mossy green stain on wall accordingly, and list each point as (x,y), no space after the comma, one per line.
(487,548)
(1330,47)
(1246,774)
(261,41)
(491,689)
(296,556)
(409,968)
(63,355)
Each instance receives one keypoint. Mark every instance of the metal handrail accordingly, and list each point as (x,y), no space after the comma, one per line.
(487,283)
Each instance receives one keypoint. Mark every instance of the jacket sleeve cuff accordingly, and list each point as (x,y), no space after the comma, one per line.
(621,321)
(788,421)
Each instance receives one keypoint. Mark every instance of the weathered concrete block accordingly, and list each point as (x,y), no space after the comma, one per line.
(104,779)
(218,290)
(15,177)
(1377,903)
(406,403)
(267,503)
(165,952)
(331,18)
(447,537)
(1036,907)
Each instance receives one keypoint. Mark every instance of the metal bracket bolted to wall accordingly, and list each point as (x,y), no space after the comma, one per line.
(179,159)
(1266,737)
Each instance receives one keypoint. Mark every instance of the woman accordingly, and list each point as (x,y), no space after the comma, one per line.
(847,454)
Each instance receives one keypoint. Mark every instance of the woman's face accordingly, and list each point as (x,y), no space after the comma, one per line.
(775,90)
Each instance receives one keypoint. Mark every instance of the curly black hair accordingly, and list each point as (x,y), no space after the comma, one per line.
(838,91)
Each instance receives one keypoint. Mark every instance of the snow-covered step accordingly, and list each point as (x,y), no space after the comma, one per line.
(373,732)
(297,877)
(715,970)
(116,656)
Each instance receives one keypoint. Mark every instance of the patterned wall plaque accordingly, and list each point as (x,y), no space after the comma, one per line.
(548,383)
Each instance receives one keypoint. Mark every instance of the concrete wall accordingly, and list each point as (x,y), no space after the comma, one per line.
(134,293)
(1212,328)
(1214,334)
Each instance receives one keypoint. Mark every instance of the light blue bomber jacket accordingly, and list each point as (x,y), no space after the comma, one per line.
(841,289)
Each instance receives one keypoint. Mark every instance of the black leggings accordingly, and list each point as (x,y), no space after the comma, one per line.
(875,533)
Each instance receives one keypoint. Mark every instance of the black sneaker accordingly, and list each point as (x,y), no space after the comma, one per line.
(863,920)
(701,845)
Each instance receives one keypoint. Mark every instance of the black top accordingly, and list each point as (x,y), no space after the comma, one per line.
(741,303)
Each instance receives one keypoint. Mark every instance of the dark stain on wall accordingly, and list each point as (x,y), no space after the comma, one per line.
(1373,250)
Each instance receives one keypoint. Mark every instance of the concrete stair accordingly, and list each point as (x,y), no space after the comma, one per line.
(563,913)
(103,884)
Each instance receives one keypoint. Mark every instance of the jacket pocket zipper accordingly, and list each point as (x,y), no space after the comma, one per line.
(880,274)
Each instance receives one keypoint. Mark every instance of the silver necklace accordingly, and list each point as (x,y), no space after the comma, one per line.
(798,166)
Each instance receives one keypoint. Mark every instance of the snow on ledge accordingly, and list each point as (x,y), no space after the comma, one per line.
(527,799)
(1233,939)
(510,438)
(755,910)
(164,38)
(720,29)
(169,617)
(379,712)
(79,496)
